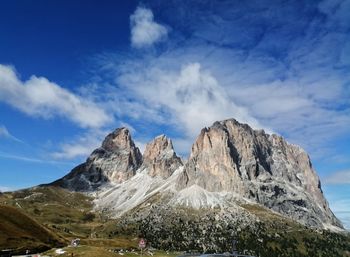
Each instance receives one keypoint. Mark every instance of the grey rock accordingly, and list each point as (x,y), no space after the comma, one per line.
(115,161)
(160,158)
(230,164)
(232,157)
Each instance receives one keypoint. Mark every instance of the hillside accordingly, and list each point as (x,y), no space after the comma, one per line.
(66,214)
(70,215)
(56,208)
(237,183)
(20,232)
(259,231)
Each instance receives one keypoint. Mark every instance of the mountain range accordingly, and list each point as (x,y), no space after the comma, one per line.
(236,184)
(230,165)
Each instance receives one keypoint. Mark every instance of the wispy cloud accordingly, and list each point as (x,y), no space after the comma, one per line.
(6,189)
(184,96)
(338,177)
(144,30)
(345,218)
(141,145)
(190,94)
(339,201)
(81,146)
(341,209)
(6,134)
(39,97)
(270,69)
(30,159)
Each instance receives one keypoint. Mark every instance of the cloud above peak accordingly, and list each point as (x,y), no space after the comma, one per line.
(81,146)
(144,30)
(38,97)
(223,61)
(189,94)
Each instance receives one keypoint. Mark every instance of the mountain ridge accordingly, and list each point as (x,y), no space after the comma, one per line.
(229,163)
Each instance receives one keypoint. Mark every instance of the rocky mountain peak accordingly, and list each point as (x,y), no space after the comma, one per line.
(212,163)
(229,163)
(119,139)
(160,145)
(232,157)
(160,158)
(115,161)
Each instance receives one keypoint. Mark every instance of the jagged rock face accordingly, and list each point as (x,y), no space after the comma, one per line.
(230,164)
(211,164)
(160,158)
(228,154)
(118,158)
(292,164)
(233,157)
(116,161)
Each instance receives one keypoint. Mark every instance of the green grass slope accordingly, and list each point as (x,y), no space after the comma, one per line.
(66,214)
(20,232)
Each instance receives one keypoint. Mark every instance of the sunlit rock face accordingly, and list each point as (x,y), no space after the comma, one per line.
(229,164)
(232,157)
(160,158)
(115,161)
(118,158)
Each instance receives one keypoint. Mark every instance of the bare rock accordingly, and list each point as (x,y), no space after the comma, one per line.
(232,157)
(160,158)
(115,161)
(229,163)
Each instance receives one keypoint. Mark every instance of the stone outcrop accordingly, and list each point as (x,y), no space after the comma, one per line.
(227,154)
(160,158)
(232,157)
(116,161)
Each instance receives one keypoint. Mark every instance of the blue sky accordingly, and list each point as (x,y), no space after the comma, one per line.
(70,72)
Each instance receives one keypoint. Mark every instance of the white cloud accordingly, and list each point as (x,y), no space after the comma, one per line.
(345,218)
(6,134)
(298,110)
(341,208)
(339,202)
(141,145)
(144,30)
(29,159)
(123,124)
(189,87)
(39,97)
(191,96)
(339,177)
(74,150)
(297,87)
(182,146)
(82,146)
(6,189)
